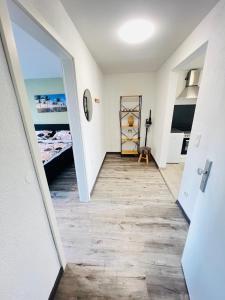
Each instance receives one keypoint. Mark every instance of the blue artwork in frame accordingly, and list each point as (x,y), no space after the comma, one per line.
(50,103)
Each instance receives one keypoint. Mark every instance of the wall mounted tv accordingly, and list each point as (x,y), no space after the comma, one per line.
(183,116)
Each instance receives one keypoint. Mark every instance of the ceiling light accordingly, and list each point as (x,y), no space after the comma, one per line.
(136,31)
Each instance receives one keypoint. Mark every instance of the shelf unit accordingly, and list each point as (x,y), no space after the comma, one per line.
(130,106)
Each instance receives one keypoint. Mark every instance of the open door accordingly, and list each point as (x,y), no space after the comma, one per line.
(204,255)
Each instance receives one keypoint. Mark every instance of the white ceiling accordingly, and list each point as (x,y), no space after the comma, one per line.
(35,59)
(98,22)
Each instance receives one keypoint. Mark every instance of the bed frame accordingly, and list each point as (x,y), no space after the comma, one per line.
(55,166)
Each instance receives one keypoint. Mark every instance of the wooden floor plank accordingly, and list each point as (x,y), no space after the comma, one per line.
(127,242)
(172,174)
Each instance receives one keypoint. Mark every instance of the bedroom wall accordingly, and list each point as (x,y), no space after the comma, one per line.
(28,259)
(45,86)
(54,17)
(166,90)
(116,85)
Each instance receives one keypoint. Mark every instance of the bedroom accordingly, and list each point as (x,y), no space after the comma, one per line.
(43,77)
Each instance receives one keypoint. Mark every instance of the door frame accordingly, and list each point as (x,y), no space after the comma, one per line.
(49,36)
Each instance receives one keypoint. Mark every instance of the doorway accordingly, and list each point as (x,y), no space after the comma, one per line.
(188,77)
(14,14)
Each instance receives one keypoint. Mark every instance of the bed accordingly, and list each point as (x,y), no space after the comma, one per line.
(55,145)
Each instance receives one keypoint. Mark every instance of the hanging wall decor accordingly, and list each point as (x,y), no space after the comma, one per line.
(87,105)
(50,103)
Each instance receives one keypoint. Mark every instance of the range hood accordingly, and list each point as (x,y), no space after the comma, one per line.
(191,88)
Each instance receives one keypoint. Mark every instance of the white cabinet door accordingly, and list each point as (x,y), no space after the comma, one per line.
(175,146)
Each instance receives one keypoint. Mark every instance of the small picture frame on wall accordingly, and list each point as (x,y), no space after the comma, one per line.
(97,100)
(50,103)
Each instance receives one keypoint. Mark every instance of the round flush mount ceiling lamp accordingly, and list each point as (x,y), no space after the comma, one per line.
(136,31)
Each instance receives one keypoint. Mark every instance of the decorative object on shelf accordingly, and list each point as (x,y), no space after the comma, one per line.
(87,104)
(130,120)
(130,124)
(146,151)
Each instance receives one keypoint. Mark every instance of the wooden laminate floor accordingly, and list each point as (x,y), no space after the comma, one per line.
(173,175)
(127,242)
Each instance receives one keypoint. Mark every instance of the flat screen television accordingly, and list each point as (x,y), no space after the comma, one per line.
(183,116)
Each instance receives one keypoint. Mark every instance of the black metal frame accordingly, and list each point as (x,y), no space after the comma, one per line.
(52,127)
(136,112)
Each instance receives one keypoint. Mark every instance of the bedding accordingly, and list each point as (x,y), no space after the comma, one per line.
(53,143)
(64,135)
(44,134)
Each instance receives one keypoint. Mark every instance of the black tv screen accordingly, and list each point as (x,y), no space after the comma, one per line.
(183,116)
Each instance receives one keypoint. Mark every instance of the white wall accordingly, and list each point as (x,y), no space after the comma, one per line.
(203,259)
(116,85)
(53,15)
(28,259)
(166,86)
(166,89)
(42,86)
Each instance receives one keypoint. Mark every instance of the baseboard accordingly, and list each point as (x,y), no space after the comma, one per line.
(183,212)
(153,159)
(185,282)
(98,174)
(116,152)
(56,284)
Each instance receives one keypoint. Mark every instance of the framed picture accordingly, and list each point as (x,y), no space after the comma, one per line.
(50,103)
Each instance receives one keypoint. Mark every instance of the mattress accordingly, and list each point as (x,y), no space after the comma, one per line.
(53,143)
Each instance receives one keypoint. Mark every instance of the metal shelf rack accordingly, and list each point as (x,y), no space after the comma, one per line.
(130,135)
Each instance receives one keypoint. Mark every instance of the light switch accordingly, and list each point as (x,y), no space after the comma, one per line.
(198,140)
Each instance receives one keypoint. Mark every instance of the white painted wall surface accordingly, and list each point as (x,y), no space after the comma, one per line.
(166,89)
(116,85)
(175,146)
(195,158)
(203,259)
(42,86)
(88,75)
(28,260)
(167,82)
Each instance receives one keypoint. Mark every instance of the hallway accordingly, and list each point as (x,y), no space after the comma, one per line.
(127,242)
(172,175)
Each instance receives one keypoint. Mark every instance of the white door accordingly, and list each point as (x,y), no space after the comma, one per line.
(204,255)
(29,262)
